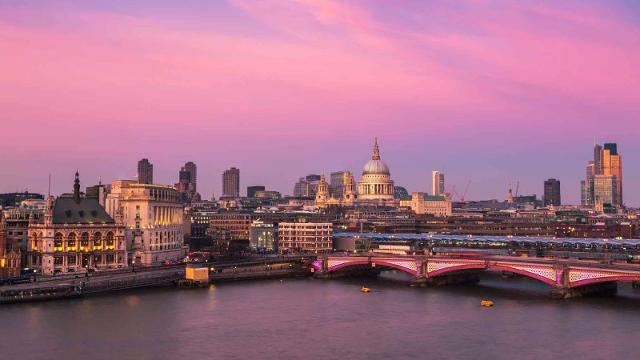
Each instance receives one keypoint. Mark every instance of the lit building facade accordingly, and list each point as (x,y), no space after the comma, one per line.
(305,237)
(612,165)
(76,234)
(376,184)
(436,205)
(153,216)
(263,236)
(605,190)
(17,226)
(607,163)
(9,259)
(437,183)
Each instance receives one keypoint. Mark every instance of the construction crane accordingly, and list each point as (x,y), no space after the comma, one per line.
(464,194)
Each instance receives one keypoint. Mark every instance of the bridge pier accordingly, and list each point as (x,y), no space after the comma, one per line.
(564,292)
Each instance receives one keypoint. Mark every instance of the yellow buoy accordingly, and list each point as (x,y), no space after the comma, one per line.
(486,303)
(365,289)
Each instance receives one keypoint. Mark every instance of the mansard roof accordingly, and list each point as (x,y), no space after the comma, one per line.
(68,210)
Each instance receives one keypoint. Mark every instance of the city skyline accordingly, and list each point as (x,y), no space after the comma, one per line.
(294,88)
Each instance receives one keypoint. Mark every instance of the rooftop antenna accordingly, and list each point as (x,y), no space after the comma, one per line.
(49,192)
(99,180)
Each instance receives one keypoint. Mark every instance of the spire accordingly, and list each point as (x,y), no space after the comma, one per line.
(76,188)
(376,151)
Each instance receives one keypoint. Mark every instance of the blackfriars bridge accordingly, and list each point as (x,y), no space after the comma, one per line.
(567,278)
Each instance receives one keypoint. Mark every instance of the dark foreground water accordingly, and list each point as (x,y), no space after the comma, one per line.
(326,319)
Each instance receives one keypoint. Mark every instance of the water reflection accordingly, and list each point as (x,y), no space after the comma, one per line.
(305,318)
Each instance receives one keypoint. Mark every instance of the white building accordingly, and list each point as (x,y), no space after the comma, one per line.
(437,183)
(422,203)
(153,216)
(376,184)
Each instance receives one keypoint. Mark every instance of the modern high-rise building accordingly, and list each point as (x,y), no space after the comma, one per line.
(605,167)
(231,183)
(187,180)
(251,190)
(336,184)
(437,183)
(552,192)
(193,171)
(605,190)
(612,165)
(306,186)
(145,172)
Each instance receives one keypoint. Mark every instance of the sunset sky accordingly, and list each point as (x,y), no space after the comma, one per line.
(488,91)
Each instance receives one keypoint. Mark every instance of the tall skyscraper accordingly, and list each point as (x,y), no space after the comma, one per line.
(231,183)
(612,165)
(552,192)
(606,168)
(605,190)
(437,182)
(187,182)
(193,171)
(145,172)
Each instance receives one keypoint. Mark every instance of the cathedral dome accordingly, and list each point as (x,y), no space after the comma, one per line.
(376,184)
(375,166)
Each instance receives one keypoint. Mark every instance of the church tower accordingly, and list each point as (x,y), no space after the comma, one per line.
(322,193)
(350,193)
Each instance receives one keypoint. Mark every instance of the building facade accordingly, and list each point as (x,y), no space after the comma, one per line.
(436,205)
(376,184)
(153,217)
(145,172)
(231,183)
(251,190)
(336,184)
(437,183)
(607,162)
(552,193)
(187,183)
(306,186)
(612,165)
(17,228)
(76,234)
(263,236)
(305,237)
(9,259)
(605,190)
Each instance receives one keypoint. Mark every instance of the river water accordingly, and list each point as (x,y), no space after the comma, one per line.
(327,319)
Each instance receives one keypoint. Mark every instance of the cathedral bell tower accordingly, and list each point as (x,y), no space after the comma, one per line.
(322,193)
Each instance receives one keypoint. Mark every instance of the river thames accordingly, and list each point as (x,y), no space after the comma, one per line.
(327,319)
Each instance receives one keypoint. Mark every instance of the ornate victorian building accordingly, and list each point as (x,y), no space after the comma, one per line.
(75,235)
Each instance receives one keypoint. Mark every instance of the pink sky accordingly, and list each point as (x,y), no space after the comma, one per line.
(490,91)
